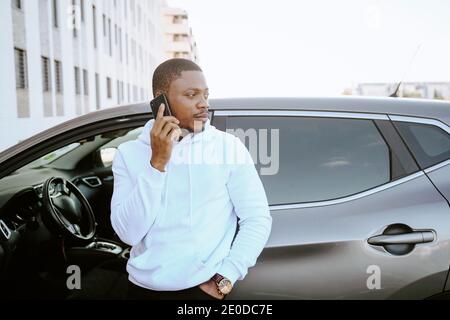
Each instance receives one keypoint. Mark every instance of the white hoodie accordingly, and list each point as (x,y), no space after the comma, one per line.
(181,223)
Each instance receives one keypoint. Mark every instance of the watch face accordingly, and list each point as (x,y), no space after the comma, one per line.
(225,286)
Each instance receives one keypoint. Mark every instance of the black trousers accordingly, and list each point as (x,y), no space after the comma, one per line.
(138,293)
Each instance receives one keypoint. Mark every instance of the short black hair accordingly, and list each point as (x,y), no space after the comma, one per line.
(169,71)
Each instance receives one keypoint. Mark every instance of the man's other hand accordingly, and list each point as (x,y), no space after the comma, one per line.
(210,288)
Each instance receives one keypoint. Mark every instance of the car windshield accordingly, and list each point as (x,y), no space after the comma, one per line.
(113,140)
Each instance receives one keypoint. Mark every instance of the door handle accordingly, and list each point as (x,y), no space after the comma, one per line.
(405,238)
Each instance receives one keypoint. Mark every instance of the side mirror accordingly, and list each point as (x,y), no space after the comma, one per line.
(107,156)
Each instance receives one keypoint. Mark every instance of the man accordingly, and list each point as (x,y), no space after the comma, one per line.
(178,197)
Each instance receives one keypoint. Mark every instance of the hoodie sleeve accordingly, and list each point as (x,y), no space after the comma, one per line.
(255,222)
(134,206)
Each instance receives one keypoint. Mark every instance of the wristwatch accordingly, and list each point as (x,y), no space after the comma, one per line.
(223,284)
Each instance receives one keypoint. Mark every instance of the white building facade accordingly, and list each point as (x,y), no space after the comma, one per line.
(179,41)
(64,58)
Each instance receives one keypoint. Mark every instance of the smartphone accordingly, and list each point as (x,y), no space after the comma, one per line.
(155,103)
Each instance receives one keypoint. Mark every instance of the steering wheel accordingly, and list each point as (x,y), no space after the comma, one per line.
(68,211)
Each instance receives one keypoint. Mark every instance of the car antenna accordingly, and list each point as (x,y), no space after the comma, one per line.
(395,93)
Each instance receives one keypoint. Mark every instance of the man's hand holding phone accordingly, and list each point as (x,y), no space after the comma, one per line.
(165,130)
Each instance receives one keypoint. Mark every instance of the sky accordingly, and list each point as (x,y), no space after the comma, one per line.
(260,48)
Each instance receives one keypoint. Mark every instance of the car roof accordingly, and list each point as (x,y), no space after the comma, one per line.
(434,109)
(424,108)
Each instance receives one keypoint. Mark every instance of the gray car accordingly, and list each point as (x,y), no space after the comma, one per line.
(359,192)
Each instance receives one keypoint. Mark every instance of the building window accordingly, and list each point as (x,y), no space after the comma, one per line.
(126,47)
(74,24)
(85,82)
(104,25)
(133,52)
(97,91)
(82,10)
(120,44)
(58,74)
(179,19)
(135,93)
(17,4)
(115,35)
(108,88)
(180,55)
(139,17)
(55,13)
(45,74)
(77,80)
(121,91)
(94,25)
(179,37)
(109,35)
(132,3)
(118,91)
(21,68)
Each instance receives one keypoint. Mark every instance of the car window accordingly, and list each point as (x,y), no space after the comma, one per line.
(319,158)
(108,150)
(428,143)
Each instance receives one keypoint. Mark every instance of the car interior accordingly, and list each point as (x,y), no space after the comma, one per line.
(55,214)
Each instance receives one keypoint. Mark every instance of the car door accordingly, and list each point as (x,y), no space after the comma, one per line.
(100,178)
(353,215)
(92,174)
